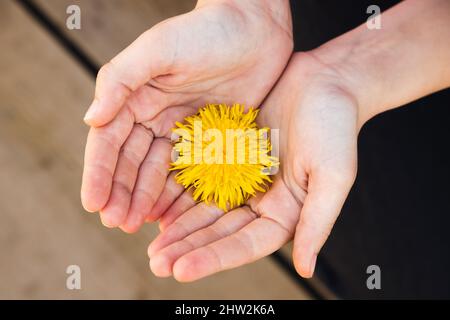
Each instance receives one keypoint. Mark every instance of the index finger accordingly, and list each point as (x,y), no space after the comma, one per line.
(257,239)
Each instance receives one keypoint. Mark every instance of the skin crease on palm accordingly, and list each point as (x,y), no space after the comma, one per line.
(212,54)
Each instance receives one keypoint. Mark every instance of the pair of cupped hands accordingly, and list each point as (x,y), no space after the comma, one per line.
(221,52)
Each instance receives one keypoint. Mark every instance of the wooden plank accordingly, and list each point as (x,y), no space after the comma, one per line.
(44,229)
(108,26)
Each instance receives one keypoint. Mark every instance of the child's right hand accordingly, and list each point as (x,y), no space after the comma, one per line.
(319,104)
(318,121)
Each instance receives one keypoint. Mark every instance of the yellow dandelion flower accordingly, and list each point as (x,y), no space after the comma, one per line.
(223,155)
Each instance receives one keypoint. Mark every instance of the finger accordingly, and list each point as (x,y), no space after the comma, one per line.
(172,190)
(150,183)
(257,239)
(147,57)
(101,154)
(162,261)
(130,158)
(182,204)
(200,216)
(322,206)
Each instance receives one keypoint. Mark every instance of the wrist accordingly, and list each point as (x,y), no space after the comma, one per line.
(399,63)
(359,61)
(267,4)
(278,10)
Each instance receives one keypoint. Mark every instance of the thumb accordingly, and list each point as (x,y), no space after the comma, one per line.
(146,58)
(326,196)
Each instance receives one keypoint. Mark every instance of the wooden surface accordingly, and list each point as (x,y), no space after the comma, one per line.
(43,96)
(108,26)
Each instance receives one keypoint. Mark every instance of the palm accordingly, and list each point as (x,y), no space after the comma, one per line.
(216,53)
(318,130)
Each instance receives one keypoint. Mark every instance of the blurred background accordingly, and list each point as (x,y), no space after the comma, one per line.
(46,85)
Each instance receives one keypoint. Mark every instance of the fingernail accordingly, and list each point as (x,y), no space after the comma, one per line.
(93,109)
(312,265)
